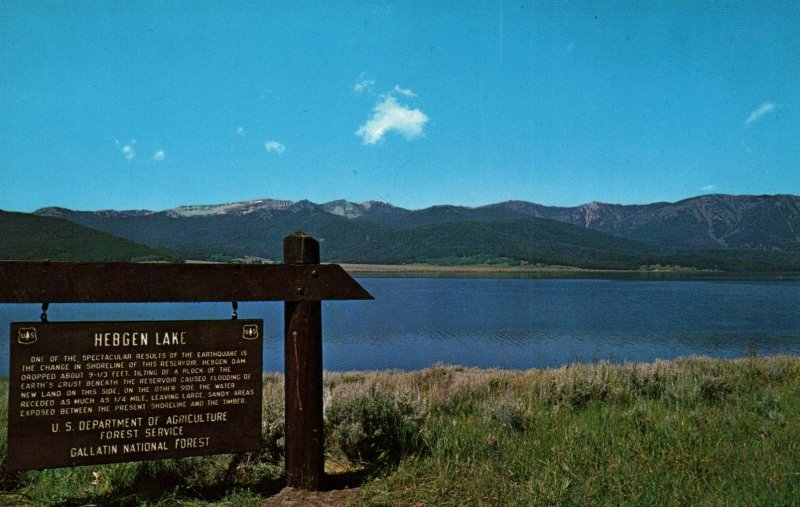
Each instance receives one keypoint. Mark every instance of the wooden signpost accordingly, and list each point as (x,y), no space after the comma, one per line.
(208,372)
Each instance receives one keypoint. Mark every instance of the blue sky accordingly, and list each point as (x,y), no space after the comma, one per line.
(157,104)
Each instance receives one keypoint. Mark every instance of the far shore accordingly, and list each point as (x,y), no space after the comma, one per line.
(413,270)
(417,268)
(502,268)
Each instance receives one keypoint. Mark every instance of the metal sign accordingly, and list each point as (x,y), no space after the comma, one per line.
(84,393)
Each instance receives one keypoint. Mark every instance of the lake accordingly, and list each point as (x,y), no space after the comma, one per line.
(515,323)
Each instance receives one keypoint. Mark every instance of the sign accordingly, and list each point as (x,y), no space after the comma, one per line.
(84,393)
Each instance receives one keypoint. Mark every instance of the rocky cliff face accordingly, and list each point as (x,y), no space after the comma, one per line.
(232,208)
(706,222)
(710,221)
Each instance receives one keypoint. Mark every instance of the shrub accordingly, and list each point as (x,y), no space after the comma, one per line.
(509,415)
(714,388)
(272,433)
(373,428)
(647,384)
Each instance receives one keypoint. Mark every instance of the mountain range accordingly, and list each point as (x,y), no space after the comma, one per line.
(737,233)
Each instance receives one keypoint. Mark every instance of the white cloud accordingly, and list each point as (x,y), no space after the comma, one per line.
(159,155)
(389,115)
(129,151)
(363,85)
(708,188)
(239,131)
(766,107)
(404,91)
(274,146)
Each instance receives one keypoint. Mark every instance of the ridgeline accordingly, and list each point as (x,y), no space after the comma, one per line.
(713,232)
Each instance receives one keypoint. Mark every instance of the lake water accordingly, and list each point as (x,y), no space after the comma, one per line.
(506,322)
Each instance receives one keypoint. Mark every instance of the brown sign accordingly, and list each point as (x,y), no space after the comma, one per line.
(84,393)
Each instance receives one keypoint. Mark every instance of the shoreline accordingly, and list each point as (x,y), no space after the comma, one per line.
(481,370)
(545,271)
(491,269)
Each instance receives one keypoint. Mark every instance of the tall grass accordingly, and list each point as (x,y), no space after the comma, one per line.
(688,432)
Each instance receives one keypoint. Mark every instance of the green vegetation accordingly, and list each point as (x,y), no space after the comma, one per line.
(31,237)
(447,235)
(689,432)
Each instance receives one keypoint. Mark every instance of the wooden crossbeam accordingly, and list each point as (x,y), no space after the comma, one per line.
(122,282)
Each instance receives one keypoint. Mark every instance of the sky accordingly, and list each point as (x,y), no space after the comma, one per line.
(156,104)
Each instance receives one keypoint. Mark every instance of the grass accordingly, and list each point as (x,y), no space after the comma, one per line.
(691,432)
(694,431)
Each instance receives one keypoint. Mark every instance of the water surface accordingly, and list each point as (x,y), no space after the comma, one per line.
(507,322)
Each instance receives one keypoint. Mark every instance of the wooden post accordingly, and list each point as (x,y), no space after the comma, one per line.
(305,459)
